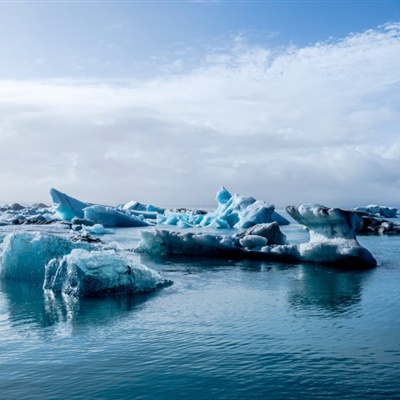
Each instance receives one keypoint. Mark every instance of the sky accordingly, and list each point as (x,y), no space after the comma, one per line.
(164,101)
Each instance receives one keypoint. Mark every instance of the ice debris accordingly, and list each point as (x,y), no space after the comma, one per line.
(332,240)
(15,214)
(233,211)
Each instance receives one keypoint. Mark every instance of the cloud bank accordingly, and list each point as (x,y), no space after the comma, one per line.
(289,125)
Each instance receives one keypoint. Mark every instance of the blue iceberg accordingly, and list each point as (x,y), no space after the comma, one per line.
(112,217)
(67,206)
(61,264)
(88,273)
(233,211)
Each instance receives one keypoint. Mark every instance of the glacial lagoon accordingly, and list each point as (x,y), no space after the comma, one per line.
(225,329)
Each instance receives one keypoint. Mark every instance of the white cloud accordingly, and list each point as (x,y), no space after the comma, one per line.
(319,123)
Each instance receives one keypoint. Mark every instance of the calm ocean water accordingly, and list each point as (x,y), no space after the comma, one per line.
(223,330)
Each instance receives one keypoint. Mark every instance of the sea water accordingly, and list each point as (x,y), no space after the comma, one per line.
(225,329)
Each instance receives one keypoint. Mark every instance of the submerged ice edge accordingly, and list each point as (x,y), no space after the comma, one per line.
(332,240)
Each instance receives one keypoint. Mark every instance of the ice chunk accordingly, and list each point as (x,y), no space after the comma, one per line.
(332,236)
(84,273)
(110,216)
(233,211)
(223,196)
(332,240)
(25,254)
(324,222)
(383,211)
(387,212)
(64,265)
(251,241)
(165,242)
(67,206)
(373,208)
(136,206)
(270,232)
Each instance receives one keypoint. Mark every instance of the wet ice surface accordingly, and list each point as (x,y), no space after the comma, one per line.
(225,329)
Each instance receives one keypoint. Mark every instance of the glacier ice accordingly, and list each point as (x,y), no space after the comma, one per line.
(25,254)
(332,240)
(140,207)
(67,206)
(112,217)
(87,273)
(73,267)
(233,211)
(165,242)
(375,210)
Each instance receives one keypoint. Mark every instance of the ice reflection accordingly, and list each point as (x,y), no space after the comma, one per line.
(26,309)
(328,291)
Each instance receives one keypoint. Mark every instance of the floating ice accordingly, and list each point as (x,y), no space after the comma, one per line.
(233,211)
(332,236)
(18,215)
(63,265)
(110,216)
(25,254)
(67,206)
(138,207)
(84,273)
(166,242)
(383,211)
(332,240)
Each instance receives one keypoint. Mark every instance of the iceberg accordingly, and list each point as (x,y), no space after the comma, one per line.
(233,211)
(138,207)
(376,226)
(16,214)
(165,242)
(88,273)
(332,236)
(332,240)
(375,210)
(25,254)
(72,267)
(67,206)
(112,217)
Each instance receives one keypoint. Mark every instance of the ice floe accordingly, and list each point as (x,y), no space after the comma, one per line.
(332,240)
(71,266)
(86,273)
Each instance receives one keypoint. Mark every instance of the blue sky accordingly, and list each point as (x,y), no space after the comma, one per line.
(163,102)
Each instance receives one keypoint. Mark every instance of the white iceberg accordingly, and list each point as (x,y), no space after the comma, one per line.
(85,273)
(332,236)
(233,211)
(164,242)
(332,240)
